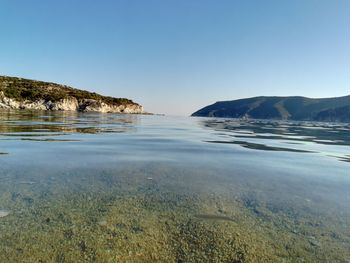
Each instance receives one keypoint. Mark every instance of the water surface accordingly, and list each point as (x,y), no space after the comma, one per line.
(132,188)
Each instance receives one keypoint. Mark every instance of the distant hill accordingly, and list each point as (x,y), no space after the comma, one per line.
(285,108)
(18,93)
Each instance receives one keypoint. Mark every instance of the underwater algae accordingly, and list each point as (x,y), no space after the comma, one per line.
(128,229)
(160,227)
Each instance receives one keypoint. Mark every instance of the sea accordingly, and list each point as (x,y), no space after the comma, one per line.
(94,187)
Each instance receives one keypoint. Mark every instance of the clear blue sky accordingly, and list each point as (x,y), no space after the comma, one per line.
(175,56)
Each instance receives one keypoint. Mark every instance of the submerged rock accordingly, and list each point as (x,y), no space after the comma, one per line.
(213,217)
(4,213)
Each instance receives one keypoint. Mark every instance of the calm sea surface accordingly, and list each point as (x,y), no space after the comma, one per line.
(89,187)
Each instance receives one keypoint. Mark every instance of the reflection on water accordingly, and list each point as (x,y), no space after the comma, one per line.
(275,135)
(257,146)
(19,123)
(132,188)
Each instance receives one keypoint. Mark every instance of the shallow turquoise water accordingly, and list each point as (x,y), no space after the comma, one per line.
(295,170)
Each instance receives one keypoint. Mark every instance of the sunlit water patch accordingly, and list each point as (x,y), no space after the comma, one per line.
(131,188)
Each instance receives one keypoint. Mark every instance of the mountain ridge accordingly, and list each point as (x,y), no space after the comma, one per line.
(281,107)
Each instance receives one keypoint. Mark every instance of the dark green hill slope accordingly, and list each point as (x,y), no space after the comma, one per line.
(292,108)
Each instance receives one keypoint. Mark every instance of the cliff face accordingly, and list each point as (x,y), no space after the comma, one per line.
(285,108)
(18,93)
(70,104)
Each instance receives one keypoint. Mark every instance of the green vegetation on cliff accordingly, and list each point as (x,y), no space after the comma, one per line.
(25,89)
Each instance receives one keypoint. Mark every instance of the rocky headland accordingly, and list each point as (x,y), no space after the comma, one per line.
(18,93)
